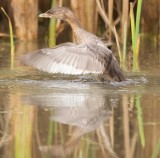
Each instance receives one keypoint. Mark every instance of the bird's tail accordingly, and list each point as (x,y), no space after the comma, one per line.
(115,71)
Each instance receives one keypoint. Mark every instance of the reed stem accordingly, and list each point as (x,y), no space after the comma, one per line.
(52,29)
(118,45)
(124,41)
(11,37)
(140,120)
(132,26)
(139,6)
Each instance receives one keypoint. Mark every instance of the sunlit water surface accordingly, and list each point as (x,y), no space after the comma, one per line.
(44,115)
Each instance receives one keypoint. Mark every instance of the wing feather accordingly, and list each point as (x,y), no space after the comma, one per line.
(68,58)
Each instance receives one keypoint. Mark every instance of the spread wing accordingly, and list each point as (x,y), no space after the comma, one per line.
(68,58)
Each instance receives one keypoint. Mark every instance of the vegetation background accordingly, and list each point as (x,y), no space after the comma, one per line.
(24,17)
(110,19)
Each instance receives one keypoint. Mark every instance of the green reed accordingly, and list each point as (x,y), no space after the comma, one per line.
(135,25)
(10,30)
(138,15)
(156,151)
(52,129)
(52,29)
(52,42)
(132,18)
(11,37)
(140,119)
(50,132)
(23,134)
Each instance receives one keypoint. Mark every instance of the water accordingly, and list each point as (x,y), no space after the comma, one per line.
(44,115)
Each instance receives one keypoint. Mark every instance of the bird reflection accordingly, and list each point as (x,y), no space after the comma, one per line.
(85,111)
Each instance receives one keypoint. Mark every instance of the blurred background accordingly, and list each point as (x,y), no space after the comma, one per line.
(96,16)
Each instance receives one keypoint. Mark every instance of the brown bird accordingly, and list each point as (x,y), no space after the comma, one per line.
(89,55)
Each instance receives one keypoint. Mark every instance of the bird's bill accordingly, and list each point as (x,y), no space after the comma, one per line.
(45,15)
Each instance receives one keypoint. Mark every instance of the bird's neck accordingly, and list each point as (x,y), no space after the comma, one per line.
(78,31)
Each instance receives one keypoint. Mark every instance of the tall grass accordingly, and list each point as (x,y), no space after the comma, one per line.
(135,25)
(110,15)
(11,37)
(52,28)
(50,132)
(140,120)
(51,43)
(118,45)
(156,151)
(10,30)
(132,18)
(124,42)
(23,129)
(123,19)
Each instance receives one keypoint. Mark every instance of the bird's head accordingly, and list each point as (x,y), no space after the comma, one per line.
(58,13)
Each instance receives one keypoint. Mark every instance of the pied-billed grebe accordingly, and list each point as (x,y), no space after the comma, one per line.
(88,55)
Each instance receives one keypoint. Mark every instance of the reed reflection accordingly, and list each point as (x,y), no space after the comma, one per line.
(84,111)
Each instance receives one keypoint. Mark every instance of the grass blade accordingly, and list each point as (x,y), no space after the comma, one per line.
(11,37)
(132,26)
(139,6)
(137,41)
(124,41)
(10,30)
(118,46)
(52,29)
(140,120)
(156,150)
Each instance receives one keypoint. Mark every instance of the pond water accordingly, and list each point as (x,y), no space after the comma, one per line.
(46,115)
